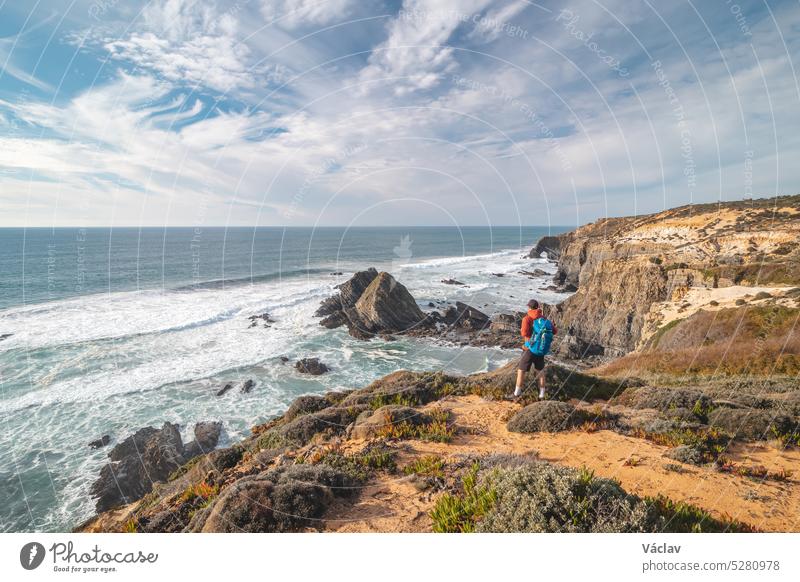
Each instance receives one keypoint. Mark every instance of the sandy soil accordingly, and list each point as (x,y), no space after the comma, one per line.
(393,504)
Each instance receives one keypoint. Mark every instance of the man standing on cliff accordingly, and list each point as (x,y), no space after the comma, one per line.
(537,331)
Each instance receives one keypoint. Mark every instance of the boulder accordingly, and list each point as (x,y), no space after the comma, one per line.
(284,499)
(305,405)
(465,317)
(546,416)
(101,442)
(244,506)
(333,420)
(206,437)
(370,423)
(452,282)
(311,366)
(505,322)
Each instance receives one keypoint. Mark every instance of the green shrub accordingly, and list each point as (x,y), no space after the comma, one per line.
(541,497)
(359,466)
(460,513)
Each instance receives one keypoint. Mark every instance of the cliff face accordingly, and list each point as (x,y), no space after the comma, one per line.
(622,267)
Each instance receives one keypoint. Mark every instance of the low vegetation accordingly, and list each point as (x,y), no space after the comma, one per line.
(426,466)
(542,497)
(460,512)
(440,429)
(761,340)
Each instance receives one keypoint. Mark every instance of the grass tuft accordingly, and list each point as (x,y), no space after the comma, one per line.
(427,466)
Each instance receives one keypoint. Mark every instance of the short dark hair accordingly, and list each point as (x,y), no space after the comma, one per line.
(533,304)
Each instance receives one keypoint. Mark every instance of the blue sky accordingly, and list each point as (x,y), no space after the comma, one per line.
(364,112)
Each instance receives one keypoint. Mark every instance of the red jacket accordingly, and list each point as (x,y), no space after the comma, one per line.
(527,323)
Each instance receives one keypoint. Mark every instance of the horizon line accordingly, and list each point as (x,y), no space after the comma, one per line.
(296,226)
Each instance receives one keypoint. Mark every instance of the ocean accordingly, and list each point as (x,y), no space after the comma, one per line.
(105,331)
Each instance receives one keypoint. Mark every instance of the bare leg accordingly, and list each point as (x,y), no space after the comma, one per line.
(541,384)
(520,381)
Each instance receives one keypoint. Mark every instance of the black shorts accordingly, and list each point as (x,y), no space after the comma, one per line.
(528,358)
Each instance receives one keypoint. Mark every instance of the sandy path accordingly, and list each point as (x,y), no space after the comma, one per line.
(393,504)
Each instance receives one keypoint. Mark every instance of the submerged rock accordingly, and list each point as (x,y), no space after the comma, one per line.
(101,442)
(265,317)
(311,366)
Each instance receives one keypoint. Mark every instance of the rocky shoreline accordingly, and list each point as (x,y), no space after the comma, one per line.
(425,437)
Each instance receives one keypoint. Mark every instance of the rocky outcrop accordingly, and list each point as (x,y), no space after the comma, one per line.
(349,293)
(465,317)
(607,313)
(382,306)
(206,437)
(148,456)
(549,245)
(622,267)
(311,366)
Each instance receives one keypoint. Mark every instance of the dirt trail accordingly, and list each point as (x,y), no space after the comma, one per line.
(394,504)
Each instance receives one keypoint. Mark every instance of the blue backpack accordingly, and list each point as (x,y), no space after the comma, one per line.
(539,344)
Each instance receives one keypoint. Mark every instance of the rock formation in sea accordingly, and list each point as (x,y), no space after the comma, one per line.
(311,366)
(371,303)
(148,456)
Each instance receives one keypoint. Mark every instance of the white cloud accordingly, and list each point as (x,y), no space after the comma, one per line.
(295,13)
(188,41)
(315,150)
(415,53)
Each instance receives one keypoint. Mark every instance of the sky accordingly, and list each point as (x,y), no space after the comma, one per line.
(371,112)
